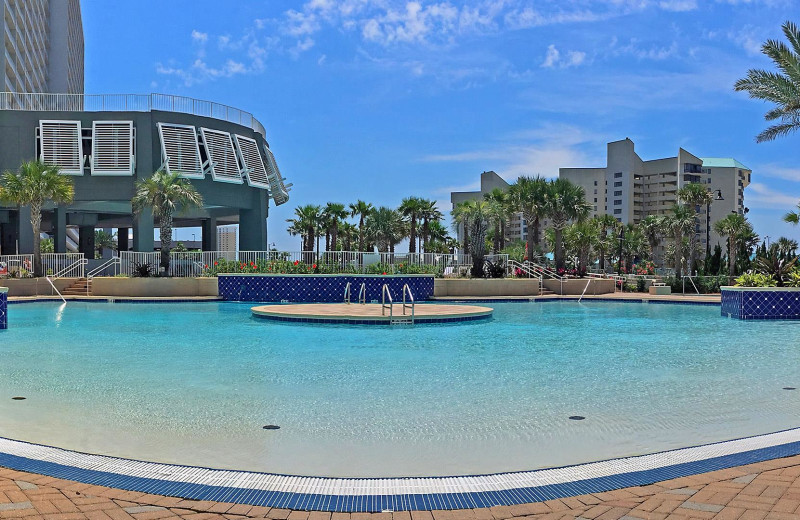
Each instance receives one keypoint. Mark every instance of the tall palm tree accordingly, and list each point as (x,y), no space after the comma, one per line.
(166,194)
(652,227)
(461,218)
(781,88)
(564,203)
(103,240)
(580,238)
(306,224)
(348,232)
(385,227)
(694,195)
(34,184)
(430,214)
(362,209)
(787,247)
(793,217)
(634,244)
(333,214)
(475,214)
(739,231)
(499,214)
(529,195)
(412,208)
(605,243)
(679,224)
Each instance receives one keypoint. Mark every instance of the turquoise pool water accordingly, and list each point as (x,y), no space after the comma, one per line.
(195,384)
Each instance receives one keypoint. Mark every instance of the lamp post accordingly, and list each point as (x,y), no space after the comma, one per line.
(708,219)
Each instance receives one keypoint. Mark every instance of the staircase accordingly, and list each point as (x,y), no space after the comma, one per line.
(544,291)
(82,287)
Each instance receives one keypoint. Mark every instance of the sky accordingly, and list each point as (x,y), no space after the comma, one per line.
(384,99)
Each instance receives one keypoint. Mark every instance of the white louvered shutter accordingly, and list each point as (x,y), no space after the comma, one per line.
(179,145)
(276,186)
(253,166)
(112,148)
(61,145)
(219,148)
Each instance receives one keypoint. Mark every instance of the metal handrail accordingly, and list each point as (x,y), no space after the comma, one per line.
(56,290)
(584,289)
(407,289)
(36,101)
(362,294)
(102,267)
(385,292)
(347,293)
(79,263)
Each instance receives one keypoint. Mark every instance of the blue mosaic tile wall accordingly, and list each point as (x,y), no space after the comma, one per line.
(3,310)
(761,305)
(318,289)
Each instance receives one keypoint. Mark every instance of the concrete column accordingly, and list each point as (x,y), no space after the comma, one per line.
(253,224)
(59,230)
(122,239)
(24,241)
(143,232)
(108,251)
(86,241)
(209,234)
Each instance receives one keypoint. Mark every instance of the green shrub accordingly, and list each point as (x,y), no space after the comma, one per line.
(751,279)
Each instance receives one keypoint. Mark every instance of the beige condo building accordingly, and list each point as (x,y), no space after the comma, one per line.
(42,47)
(630,188)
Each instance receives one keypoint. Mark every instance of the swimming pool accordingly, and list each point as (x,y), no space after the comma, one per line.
(196,383)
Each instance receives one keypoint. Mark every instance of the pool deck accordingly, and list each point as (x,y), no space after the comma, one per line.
(369,313)
(765,490)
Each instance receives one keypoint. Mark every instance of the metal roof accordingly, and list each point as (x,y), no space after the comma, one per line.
(722,162)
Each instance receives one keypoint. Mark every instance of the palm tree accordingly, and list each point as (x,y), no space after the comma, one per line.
(565,202)
(386,227)
(605,243)
(474,215)
(694,195)
(781,88)
(529,195)
(793,217)
(679,224)
(634,244)
(412,208)
(787,247)
(362,209)
(580,238)
(333,214)
(438,236)
(739,231)
(306,223)
(461,218)
(34,184)
(499,214)
(166,194)
(103,240)
(430,214)
(652,227)
(347,231)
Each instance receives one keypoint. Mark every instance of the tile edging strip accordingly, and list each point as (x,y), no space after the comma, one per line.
(445,492)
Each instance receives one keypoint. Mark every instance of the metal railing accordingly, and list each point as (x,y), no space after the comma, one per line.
(347,293)
(386,293)
(362,294)
(127,103)
(64,265)
(407,290)
(14,266)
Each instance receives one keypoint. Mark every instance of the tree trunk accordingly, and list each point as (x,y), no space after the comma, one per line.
(166,240)
(412,237)
(678,254)
(36,226)
(731,258)
(361,233)
(334,236)
(535,232)
(559,248)
(502,235)
(425,232)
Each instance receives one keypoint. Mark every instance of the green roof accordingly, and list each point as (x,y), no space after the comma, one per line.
(722,162)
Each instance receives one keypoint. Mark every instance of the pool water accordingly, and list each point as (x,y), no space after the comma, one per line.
(195,384)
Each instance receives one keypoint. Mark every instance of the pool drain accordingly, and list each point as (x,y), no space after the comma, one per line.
(19,398)
(789,388)
(577,417)
(272,427)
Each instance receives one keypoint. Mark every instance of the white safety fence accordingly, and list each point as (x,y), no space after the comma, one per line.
(65,265)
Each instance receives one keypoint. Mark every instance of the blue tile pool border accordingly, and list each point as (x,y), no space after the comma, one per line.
(454,498)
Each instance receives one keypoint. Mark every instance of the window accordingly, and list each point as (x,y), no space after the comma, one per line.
(595,191)
(618,193)
(618,184)
(221,156)
(595,183)
(595,208)
(617,212)
(618,202)
(595,199)
(180,150)
(618,175)
(60,145)
(112,148)
(252,165)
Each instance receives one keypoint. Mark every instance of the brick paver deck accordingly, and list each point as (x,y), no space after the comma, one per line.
(767,490)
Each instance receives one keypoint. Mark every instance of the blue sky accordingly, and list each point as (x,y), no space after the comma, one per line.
(382,99)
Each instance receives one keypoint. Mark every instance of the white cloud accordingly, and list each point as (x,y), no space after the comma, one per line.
(678,5)
(199,37)
(779,172)
(748,38)
(762,196)
(553,58)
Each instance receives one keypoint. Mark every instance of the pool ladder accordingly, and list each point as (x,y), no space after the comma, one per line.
(362,294)
(408,304)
